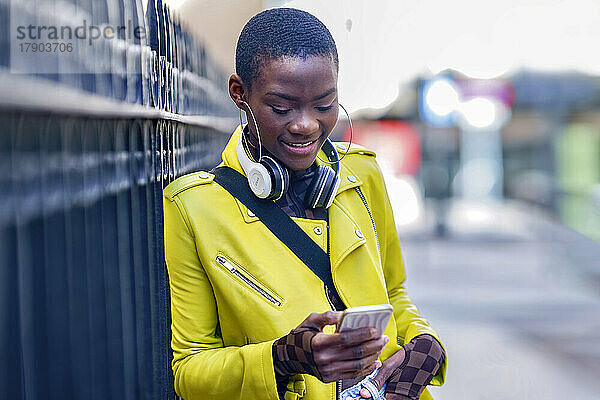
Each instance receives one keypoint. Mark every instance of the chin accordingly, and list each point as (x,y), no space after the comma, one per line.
(300,165)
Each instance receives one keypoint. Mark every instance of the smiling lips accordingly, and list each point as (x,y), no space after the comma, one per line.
(301,149)
(300,144)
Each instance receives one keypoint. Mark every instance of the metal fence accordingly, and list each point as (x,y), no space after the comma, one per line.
(83,287)
(84,303)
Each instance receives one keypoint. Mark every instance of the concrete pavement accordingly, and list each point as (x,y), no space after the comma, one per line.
(518,313)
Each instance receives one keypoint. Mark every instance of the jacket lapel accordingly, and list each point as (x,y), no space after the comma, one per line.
(345,234)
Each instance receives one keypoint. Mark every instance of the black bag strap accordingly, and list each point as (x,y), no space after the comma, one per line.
(278,222)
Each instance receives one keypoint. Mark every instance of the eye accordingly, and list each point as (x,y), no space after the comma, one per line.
(280,110)
(325,108)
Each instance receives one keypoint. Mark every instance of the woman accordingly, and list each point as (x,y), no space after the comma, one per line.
(250,320)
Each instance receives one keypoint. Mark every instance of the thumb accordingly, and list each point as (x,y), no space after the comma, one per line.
(378,380)
(384,373)
(319,321)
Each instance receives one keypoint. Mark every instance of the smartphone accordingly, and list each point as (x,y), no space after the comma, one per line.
(376,316)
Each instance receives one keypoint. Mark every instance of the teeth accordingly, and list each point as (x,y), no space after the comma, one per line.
(300,144)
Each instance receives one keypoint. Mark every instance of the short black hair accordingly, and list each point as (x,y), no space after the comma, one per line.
(281,32)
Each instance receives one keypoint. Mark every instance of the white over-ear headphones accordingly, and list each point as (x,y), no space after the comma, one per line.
(267,178)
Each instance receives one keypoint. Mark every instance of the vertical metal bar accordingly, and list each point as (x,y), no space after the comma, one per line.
(11,370)
(94,263)
(140,261)
(77,286)
(55,253)
(30,261)
(160,269)
(171,149)
(114,331)
(125,257)
(153,177)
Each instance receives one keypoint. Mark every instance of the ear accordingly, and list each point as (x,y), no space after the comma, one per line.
(238,91)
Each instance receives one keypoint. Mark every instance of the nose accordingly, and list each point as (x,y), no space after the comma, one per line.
(304,124)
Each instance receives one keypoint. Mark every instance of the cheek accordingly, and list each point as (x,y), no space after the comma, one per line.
(331,119)
(269,125)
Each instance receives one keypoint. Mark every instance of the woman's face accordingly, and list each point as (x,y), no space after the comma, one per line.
(294,101)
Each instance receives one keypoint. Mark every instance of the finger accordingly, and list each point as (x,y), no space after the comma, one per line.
(393,396)
(355,368)
(378,380)
(320,320)
(344,339)
(363,350)
(388,367)
(328,356)
(358,374)
(355,336)
(336,370)
(395,360)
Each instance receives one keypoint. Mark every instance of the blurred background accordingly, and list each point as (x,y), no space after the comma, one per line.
(485,117)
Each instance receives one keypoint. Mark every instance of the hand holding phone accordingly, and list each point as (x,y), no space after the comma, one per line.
(329,357)
(376,316)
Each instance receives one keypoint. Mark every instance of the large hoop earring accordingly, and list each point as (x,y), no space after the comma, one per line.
(241,122)
(257,133)
(350,143)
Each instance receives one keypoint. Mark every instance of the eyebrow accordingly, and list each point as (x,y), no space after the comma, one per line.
(292,98)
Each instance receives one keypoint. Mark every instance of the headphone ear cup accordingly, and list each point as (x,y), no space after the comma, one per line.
(286,181)
(322,190)
(259,178)
(279,177)
(328,194)
(328,201)
(260,181)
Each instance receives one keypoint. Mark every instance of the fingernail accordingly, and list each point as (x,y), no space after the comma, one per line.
(386,339)
(377,364)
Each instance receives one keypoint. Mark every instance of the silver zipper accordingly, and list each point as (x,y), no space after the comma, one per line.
(338,384)
(231,268)
(362,197)
(329,299)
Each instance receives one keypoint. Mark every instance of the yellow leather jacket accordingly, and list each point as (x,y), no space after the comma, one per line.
(235,288)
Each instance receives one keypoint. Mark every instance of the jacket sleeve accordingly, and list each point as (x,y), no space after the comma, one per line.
(409,323)
(204,368)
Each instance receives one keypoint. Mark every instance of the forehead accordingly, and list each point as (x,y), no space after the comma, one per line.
(297,76)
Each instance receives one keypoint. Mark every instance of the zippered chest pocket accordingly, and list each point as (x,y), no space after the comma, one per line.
(247,280)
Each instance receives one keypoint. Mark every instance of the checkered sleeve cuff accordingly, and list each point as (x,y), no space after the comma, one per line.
(423,358)
(292,354)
